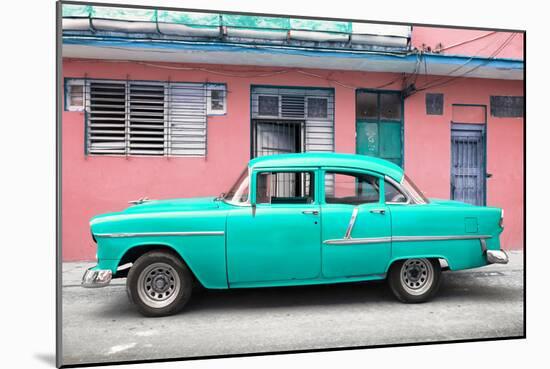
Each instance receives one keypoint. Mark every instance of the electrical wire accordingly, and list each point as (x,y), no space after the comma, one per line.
(459,67)
(467,41)
(453,79)
(239,73)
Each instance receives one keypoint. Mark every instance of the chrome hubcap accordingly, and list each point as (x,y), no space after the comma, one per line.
(158,285)
(417,276)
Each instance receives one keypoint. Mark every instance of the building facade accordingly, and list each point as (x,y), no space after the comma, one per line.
(169,104)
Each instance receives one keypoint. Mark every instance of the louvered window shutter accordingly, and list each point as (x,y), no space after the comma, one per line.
(187,119)
(292,106)
(147,128)
(106,128)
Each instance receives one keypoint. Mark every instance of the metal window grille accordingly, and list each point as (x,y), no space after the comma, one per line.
(146,118)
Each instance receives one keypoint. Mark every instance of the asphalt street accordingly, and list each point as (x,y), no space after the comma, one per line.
(100,325)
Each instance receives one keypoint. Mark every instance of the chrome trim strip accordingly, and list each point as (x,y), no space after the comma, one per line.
(159,234)
(347,236)
(438,238)
(368,240)
(356,241)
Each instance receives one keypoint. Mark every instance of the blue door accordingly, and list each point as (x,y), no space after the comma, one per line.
(468,163)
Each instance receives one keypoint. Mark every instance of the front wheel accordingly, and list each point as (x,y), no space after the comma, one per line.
(159,284)
(415,280)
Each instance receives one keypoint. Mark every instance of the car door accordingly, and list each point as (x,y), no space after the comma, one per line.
(278,238)
(356,226)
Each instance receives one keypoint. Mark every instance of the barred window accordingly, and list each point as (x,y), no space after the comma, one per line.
(148,118)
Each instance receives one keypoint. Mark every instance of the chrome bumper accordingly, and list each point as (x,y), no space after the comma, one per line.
(96,278)
(497,257)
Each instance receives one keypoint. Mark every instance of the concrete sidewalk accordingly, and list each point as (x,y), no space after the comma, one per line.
(100,325)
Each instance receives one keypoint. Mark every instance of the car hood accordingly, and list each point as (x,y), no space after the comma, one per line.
(194,203)
(160,206)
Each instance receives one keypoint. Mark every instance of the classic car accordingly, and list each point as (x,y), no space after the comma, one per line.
(294,219)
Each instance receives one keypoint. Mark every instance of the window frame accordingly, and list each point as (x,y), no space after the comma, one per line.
(399,188)
(381,188)
(167,88)
(253,185)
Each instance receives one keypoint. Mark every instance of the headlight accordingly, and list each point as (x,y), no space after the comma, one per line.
(501,222)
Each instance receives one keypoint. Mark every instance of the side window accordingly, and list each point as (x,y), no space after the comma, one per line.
(351,188)
(284,188)
(392,194)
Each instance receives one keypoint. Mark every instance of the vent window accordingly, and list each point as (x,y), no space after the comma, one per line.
(507,106)
(74,95)
(434,104)
(216,99)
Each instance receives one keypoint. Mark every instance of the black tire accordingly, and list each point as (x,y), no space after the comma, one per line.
(159,284)
(415,280)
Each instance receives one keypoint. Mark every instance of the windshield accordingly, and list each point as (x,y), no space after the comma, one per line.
(239,192)
(416,194)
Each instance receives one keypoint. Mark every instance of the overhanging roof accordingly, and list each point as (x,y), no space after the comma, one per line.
(208,38)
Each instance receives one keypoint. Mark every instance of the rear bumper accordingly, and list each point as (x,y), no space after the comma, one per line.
(96,278)
(497,257)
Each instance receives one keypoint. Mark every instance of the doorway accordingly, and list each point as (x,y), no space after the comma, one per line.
(468,158)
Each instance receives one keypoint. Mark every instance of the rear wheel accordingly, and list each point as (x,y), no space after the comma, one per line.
(415,280)
(159,284)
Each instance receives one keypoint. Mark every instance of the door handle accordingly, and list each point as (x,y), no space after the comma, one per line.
(378,211)
(312,212)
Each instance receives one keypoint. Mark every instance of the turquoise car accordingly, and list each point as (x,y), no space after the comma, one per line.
(296,219)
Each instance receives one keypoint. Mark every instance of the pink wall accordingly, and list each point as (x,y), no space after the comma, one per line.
(468,42)
(428,149)
(96,184)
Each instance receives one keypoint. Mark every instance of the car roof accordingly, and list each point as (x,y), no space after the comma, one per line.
(329,159)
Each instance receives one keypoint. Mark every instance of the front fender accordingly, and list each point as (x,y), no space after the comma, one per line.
(198,237)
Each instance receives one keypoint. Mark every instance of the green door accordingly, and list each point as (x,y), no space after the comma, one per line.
(380,125)
(279,240)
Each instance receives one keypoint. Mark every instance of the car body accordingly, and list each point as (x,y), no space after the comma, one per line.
(302,219)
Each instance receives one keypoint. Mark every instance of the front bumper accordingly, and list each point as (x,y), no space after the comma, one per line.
(96,278)
(497,257)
